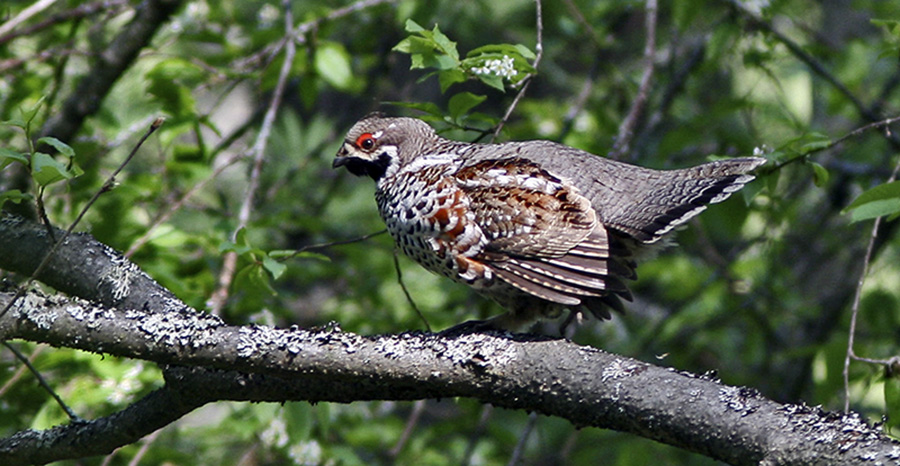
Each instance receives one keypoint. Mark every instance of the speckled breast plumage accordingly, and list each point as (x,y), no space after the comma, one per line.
(430,220)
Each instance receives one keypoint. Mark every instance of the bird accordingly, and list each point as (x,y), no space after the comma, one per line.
(537,226)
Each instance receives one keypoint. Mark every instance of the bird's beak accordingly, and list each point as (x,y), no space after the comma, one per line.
(340,161)
(343,156)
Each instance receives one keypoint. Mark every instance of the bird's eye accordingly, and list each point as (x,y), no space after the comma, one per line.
(365,141)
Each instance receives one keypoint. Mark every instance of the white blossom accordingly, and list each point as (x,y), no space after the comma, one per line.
(267,15)
(504,67)
(276,433)
(306,453)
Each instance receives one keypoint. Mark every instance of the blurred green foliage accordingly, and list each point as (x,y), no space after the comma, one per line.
(759,288)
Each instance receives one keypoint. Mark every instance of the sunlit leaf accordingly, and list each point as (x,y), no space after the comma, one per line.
(881,200)
(333,65)
(8,156)
(62,147)
(46,170)
(274,267)
(461,103)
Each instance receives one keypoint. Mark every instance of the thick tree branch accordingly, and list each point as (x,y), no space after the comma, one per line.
(584,385)
(82,267)
(555,377)
(156,410)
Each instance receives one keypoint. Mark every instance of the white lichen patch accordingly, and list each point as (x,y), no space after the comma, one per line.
(246,342)
(618,369)
(35,308)
(92,317)
(189,329)
(479,350)
(119,276)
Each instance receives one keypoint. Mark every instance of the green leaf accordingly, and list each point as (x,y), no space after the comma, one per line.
(448,78)
(525,52)
(461,103)
(31,113)
(875,209)
(429,49)
(492,80)
(255,277)
(14,121)
(412,26)
(444,44)
(892,400)
(60,146)
(815,146)
(46,170)
(820,174)
(333,65)
(881,200)
(8,156)
(274,267)
(313,255)
(13,195)
(171,83)
(427,107)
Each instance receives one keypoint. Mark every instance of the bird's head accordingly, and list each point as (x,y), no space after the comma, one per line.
(377,145)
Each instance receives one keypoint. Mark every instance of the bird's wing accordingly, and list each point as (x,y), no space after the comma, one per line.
(543,237)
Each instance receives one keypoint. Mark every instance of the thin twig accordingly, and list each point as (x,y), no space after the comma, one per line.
(229,262)
(406,292)
(145,447)
(411,423)
(175,206)
(523,439)
(300,32)
(579,17)
(857,297)
(334,243)
(25,15)
(770,168)
(82,11)
(19,372)
(626,129)
(526,81)
(477,434)
(21,357)
(580,102)
(107,185)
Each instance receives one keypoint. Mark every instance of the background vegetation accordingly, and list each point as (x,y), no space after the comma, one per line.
(761,289)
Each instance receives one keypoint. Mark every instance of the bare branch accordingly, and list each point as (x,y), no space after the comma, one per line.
(626,129)
(555,377)
(7,32)
(23,16)
(229,261)
(857,297)
(409,297)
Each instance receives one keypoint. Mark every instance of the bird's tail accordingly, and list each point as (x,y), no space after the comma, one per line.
(679,195)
